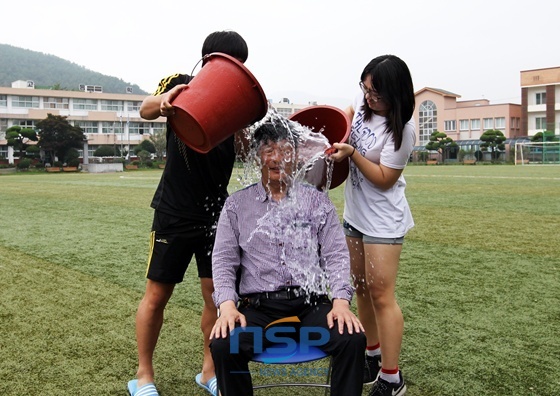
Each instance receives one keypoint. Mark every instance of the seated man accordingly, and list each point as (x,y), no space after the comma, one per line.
(279,249)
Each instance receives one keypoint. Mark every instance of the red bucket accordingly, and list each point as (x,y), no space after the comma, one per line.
(334,124)
(221,99)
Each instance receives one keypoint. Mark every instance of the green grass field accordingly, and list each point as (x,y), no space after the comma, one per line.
(479,284)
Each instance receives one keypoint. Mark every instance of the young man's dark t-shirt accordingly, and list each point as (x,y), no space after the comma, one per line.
(193,185)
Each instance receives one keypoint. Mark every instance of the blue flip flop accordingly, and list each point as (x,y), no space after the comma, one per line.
(211,386)
(148,389)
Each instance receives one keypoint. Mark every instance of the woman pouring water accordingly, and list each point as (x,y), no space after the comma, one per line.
(376,212)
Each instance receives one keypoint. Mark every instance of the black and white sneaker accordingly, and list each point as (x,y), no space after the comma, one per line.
(371,369)
(384,388)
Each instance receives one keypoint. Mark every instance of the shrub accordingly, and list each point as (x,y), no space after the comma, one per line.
(74,162)
(106,151)
(71,154)
(144,156)
(24,163)
(145,145)
(33,151)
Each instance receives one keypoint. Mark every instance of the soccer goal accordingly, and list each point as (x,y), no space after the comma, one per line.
(537,153)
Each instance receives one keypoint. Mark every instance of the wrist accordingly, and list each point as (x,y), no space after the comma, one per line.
(353,151)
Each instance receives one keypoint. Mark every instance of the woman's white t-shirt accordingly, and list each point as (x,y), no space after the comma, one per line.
(368,208)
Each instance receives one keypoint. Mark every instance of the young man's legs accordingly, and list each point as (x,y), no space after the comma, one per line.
(174,241)
(209,316)
(149,320)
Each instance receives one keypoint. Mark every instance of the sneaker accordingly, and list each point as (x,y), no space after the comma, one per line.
(371,369)
(384,388)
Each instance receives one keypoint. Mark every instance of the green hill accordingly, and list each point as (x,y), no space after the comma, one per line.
(49,71)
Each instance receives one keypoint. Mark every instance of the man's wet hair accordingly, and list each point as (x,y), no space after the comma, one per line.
(273,131)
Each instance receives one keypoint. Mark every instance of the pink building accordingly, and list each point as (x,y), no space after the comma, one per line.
(463,121)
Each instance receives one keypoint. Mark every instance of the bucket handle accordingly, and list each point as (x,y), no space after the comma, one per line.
(200,60)
(203,59)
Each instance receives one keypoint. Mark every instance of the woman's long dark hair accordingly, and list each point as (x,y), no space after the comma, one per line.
(391,79)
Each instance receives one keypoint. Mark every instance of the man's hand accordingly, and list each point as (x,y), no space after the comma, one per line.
(165,108)
(342,314)
(160,106)
(229,316)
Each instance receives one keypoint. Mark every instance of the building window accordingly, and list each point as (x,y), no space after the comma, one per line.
(117,127)
(109,127)
(3,100)
(158,127)
(87,126)
(500,123)
(84,104)
(464,125)
(112,105)
(540,98)
(3,128)
(540,123)
(450,126)
(286,112)
(56,103)
(133,106)
(91,150)
(139,127)
(25,101)
(25,123)
(428,121)
(475,124)
(488,123)
(3,151)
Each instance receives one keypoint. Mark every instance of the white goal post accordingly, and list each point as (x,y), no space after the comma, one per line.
(537,153)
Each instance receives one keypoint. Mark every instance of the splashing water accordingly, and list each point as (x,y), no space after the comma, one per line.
(292,226)
(312,165)
(288,222)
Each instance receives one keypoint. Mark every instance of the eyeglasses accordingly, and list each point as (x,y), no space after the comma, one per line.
(371,92)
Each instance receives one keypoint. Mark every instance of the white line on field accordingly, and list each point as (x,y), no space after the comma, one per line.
(139,178)
(486,177)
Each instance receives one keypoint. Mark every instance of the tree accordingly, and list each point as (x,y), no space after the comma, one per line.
(144,156)
(107,151)
(19,138)
(441,143)
(145,145)
(57,136)
(494,140)
(159,141)
(33,151)
(546,136)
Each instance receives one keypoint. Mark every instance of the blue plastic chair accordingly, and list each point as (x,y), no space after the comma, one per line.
(310,355)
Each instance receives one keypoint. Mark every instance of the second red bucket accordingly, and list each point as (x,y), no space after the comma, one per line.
(334,124)
(221,99)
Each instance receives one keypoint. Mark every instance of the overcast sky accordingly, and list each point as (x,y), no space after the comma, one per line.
(306,50)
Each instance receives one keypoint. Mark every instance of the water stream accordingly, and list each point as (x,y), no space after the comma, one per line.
(283,222)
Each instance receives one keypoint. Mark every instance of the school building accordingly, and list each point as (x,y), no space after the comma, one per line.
(114,119)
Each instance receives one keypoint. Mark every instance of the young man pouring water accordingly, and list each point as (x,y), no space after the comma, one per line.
(280,255)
